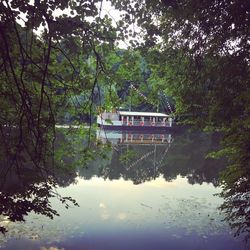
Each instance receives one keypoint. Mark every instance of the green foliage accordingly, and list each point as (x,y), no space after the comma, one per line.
(199,54)
(49,76)
(195,51)
(50,66)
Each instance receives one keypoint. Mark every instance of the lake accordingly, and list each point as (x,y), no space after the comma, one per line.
(150,191)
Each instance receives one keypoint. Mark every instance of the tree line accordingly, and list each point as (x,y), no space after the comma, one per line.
(197,52)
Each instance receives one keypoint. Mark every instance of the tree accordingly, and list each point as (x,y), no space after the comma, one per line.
(41,73)
(200,52)
(46,61)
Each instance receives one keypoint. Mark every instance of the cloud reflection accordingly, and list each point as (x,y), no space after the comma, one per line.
(122,216)
(105,216)
(102,205)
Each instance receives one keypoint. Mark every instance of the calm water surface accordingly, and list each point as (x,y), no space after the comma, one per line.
(153,191)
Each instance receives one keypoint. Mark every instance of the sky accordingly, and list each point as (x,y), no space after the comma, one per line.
(106,9)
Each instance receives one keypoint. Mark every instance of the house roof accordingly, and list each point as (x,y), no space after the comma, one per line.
(133,113)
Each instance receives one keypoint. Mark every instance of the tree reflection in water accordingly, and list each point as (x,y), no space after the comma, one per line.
(28,181)
(183,154)
(186,156)
(29,192)
(28,187)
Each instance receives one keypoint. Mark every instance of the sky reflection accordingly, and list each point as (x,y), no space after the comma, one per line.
(146,216)
(171,205)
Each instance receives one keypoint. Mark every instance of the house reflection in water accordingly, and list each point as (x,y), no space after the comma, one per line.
(130,137)
(136,156)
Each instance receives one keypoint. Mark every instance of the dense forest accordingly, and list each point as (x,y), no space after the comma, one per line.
(62,62)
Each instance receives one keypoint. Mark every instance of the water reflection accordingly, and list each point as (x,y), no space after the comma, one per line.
(28,181)
(174,204)
(129,137)
(144,157)
(29,189)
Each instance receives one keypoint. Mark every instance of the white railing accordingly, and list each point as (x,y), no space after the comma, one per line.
(146,123)
(145,138)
